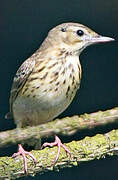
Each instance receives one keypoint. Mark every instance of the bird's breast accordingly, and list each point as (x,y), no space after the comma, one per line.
(54,79)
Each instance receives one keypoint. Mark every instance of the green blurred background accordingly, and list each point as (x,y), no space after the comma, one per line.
(24,25)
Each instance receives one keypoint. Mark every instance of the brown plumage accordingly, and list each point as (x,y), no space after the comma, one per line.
(46,83)
(56,69)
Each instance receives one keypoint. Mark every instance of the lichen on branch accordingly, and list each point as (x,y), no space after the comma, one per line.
(66,126)
(87,149)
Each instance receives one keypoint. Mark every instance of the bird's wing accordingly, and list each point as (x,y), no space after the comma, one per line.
(20,78)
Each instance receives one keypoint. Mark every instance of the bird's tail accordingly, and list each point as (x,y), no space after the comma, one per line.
(8,116)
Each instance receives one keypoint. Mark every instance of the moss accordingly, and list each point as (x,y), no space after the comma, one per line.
(84,150)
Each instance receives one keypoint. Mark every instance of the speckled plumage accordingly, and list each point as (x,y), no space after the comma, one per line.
(46,83)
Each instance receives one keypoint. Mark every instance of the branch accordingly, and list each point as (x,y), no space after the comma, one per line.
(65,126)
(88,149)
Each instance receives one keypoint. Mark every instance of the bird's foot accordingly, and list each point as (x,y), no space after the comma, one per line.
(23,153)
(59,144)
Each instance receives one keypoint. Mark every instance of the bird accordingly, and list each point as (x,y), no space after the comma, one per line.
(46,83)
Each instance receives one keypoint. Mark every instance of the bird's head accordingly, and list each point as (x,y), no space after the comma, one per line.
(75,37)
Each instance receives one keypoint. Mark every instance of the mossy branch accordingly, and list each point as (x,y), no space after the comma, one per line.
(65,126)
(88,149)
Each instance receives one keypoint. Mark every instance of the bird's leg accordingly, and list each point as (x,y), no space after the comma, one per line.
(59,144)
(23,153)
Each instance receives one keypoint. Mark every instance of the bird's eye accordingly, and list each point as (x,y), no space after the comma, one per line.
(80,32)
(63,29)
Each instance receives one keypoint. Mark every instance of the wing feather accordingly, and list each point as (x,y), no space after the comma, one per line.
(20,78)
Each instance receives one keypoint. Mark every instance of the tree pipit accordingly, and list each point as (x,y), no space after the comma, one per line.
(46,83)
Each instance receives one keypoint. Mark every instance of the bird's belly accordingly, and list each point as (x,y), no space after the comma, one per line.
(31,111)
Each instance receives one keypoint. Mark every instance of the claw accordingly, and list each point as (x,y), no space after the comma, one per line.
(23,153)
(59,144)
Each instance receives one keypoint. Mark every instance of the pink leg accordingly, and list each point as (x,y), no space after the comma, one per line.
(58,143)
(23,153)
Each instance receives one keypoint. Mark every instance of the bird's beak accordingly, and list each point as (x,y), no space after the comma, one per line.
(100,39)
